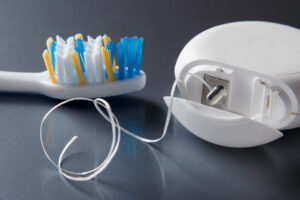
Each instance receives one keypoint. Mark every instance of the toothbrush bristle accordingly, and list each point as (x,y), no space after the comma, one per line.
(76,64)
(79,35)
(48,64)
(48,42)
(75,61)
(107,64)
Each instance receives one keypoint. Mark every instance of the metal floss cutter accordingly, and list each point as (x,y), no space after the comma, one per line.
(254,70)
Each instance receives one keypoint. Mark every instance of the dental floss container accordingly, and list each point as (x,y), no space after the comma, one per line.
(253,69)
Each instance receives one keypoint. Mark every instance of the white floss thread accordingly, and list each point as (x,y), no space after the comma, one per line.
(116,134)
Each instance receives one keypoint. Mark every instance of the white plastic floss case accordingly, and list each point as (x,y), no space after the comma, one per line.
(254,67)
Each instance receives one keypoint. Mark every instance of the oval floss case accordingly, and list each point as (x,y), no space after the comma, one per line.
(253,71)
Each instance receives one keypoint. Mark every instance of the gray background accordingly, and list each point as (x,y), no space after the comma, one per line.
(181,166)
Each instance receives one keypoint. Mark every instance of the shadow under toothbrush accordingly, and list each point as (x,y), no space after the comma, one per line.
(123,106)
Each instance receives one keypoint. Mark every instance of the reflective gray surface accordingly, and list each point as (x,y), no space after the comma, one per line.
(181,166)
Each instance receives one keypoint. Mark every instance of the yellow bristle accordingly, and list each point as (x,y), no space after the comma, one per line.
(49,40)
(77,67)
(107,64)
(78,35)
(105,39)
(114,65)
(48,64)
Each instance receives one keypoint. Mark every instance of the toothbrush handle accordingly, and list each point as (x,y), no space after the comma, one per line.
(20,82)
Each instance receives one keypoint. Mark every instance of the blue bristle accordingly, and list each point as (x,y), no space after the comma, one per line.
(135,40)
(110,46)
(125,41)
(121,54)
(139,56)
(79,45)
(132,48)
(79,48)
(52,49)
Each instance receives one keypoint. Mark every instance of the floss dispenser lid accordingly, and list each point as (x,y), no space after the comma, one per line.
(254,66)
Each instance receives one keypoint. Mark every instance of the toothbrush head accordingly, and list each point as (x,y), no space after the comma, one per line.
(93,68)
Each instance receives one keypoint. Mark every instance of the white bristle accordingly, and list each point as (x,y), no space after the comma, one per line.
(60,67)
(88,50)
(59,49)
(90,39)
(60,41)
(88,46)
(98,41)
(69,46)
(68,68)
(89,67)
(70,41)
(98,66)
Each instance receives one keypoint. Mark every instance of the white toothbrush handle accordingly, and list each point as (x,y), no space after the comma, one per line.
(20,81)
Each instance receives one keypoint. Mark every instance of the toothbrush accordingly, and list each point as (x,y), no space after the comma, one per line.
(78,68)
